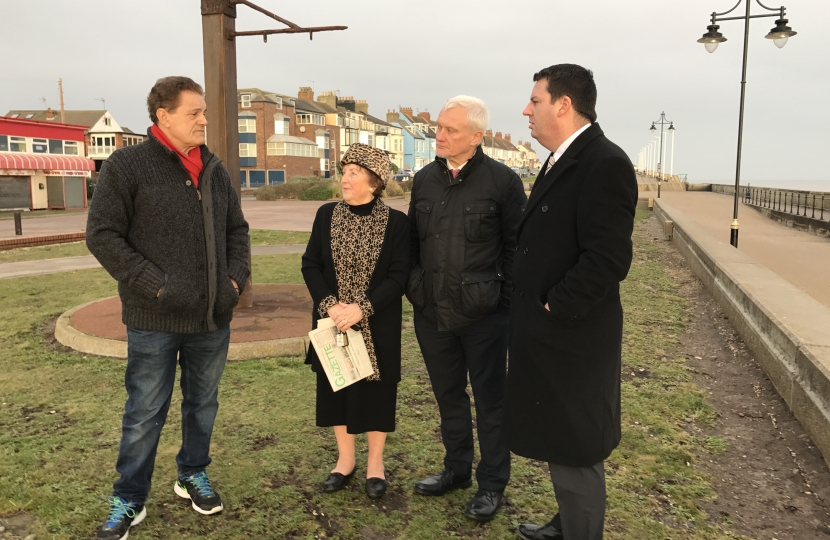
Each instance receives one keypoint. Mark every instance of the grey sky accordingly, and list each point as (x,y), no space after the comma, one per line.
(400,53)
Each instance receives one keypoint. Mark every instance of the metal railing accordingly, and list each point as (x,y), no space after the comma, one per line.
(810,205)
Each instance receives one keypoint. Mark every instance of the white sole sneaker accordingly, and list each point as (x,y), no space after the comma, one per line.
(138,519)
(184,495)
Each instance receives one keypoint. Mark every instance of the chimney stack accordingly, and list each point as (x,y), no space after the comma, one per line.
(306,93)
(362,106)
(507,137)
(392,116)
(50,114)
(527,144)
(347,103)
(425,116)
(329,98)
(407,111)
(498,135)
(489,133)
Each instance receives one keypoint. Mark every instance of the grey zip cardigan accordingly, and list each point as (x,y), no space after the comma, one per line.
(172,248)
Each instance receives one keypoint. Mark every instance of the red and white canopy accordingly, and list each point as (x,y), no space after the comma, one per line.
(32,162)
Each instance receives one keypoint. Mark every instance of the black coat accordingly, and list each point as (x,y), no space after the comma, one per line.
(463,240)
(574,247)
(385,288)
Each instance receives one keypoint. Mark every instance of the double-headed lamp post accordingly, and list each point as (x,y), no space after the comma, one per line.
(660,157)
(711,39)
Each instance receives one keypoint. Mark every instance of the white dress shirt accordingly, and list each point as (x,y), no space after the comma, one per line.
(564,146)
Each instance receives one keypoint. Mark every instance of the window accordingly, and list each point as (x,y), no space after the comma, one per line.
(30,115)
(278,101)
(106,121)
(292,149)
(333,165)
(246,100)
(17,144)
(55,146)
(4,143)
(40,146)
(308,118)
(15,115)
(247,150)
(281,125)
(247,125)
(70,147)
(371,140)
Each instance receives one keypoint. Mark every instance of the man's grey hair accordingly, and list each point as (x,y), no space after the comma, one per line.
(477,113)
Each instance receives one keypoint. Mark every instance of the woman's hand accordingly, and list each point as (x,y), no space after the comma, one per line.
(349,315)
(335,311)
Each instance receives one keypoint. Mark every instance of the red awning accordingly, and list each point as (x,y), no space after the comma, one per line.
(48,163)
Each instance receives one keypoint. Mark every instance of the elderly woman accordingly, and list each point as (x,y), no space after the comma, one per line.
(356,266)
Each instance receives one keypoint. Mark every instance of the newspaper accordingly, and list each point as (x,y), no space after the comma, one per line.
(343,365)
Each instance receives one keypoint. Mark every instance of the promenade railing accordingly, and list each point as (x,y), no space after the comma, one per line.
(798,203)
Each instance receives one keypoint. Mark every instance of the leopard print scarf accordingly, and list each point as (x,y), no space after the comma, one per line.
(356,242)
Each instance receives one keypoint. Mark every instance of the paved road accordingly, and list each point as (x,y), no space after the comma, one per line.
(801,258)
(67,264)
(270,215)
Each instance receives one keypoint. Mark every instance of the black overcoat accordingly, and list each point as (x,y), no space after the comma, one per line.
(385,288)
(562,403)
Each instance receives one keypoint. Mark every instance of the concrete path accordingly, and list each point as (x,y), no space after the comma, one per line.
(68,264)
(801,258)
(45,226)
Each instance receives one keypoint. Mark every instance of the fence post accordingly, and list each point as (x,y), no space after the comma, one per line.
(814,207)
(18,224)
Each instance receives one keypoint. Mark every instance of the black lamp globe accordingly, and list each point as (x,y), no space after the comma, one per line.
(781,33)
(712,38)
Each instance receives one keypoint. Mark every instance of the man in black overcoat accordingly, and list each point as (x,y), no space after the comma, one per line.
(562,403)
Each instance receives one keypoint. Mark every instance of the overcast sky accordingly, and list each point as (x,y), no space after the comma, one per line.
(401,53)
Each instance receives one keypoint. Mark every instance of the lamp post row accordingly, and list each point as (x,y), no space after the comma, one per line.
(779,34)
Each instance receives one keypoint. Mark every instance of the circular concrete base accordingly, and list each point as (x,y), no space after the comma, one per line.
(276,325)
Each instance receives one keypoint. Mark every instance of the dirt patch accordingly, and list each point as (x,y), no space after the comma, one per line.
(265,441)
(17,525)
(771,480)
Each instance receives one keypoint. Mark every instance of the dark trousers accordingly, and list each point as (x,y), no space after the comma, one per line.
(580,494)
(480,350)
(150,375)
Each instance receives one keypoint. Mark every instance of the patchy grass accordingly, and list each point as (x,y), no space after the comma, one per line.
(60,414)
(37,253)
(259,237)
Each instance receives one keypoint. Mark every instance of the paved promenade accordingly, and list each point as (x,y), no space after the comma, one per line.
(801,258)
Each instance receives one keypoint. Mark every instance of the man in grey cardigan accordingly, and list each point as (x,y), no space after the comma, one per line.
(166,223)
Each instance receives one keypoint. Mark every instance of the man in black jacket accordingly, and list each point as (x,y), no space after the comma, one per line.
(166,223)
(574,247)
(464,211)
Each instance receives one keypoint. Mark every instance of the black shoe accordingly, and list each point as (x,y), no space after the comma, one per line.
(442,483)
(123,515)
(375,487)
(336,481)
(197,488)
(540,532)
(484,505)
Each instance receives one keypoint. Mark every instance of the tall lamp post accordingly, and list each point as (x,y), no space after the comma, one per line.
(671,167)
(711,39)
(660,157)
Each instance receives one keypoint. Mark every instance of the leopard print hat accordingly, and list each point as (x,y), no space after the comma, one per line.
(370,158)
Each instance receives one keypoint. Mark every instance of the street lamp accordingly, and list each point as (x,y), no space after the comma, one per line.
(671,167)
(711,39)
(661,158)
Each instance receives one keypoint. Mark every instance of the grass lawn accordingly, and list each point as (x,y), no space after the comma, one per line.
(60,414)
(259,237)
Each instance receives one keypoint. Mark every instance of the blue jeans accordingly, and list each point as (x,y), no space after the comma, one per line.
(151,372)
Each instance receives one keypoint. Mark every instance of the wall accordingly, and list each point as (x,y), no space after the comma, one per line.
(39,196)
(785,328)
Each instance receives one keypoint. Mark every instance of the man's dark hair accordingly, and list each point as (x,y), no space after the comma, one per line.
(165,94)
(573,81)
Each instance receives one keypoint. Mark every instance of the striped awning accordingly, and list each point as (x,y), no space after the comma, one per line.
(40,163)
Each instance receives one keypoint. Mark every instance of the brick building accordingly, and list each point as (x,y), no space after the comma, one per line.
(282,136)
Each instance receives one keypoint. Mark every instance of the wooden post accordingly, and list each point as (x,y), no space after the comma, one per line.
(219,45)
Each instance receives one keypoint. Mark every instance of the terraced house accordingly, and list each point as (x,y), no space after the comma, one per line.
(282,136)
